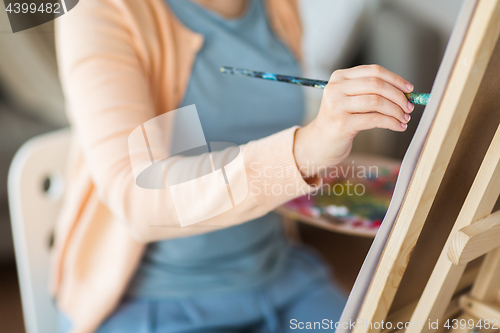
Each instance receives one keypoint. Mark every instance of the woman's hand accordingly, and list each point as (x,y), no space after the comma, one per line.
(354,100)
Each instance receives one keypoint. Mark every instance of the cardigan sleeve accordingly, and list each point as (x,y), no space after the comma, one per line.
(109,93)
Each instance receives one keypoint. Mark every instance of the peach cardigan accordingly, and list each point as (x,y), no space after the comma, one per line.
(122,63)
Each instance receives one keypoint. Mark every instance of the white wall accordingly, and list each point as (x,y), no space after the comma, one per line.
(440,14)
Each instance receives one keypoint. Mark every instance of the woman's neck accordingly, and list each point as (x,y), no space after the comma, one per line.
(225,8)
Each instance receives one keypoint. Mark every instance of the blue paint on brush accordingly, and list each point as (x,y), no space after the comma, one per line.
(418,98)
(415,98)
(274,77)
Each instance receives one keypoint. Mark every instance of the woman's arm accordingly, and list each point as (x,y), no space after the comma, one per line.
(109,94)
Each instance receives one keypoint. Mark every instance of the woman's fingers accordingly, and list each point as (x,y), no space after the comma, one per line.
(379,72)
(365,121)
(374,85)
(354,100)
(370,103)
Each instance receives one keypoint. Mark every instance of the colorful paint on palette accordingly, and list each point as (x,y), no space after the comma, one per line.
(340,203)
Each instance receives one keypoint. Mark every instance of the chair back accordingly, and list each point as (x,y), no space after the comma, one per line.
(35,187)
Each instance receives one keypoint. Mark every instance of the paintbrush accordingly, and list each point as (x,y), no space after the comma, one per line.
(415,98)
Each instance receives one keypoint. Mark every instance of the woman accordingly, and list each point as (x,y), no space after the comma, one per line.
(122,262)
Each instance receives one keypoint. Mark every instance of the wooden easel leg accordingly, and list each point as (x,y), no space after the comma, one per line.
(468,73)
(445,276)
(487,283)
(479,305)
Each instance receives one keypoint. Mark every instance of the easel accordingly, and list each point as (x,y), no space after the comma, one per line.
(445,223)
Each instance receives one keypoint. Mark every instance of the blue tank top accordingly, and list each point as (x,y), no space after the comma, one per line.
(231,109)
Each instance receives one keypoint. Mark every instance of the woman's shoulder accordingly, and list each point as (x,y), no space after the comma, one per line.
(133,13)
(110,21)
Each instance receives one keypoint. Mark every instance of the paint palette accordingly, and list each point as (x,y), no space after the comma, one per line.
(354,197)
